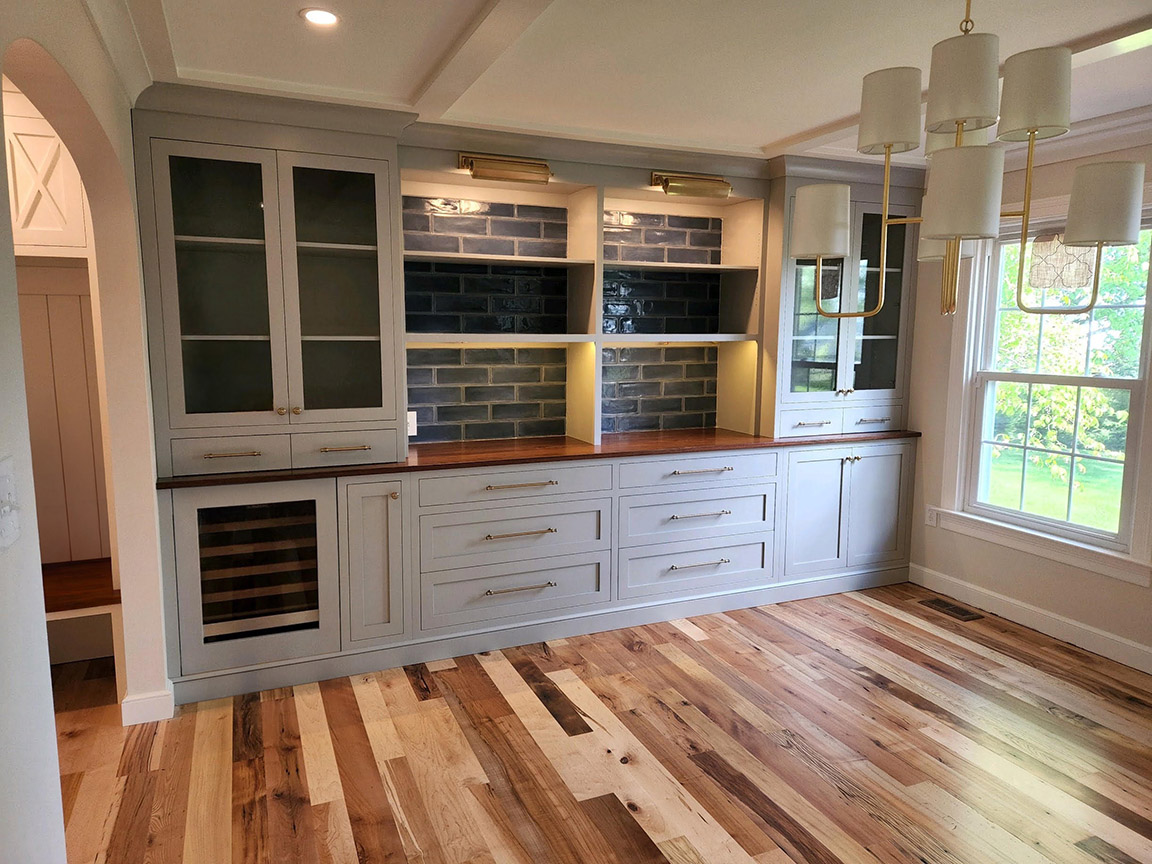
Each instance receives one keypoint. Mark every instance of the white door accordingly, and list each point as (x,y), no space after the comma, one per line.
(815,540)
(372,561)
(218,236)
(878,502)
(336,222)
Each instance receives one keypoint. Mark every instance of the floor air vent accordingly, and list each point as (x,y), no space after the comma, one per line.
(960,613)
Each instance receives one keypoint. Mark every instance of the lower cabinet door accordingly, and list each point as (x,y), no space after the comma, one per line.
(693,567)
(372,561)
(256,573)
(815,533)
(879,502)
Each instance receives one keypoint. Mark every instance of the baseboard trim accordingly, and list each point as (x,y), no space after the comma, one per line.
(1118,648)
(147,707)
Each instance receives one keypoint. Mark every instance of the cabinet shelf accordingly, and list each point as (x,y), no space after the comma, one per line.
(674,267)
(339,338)
(224,338)
(612,339)
(196,241)
(499,260)
(415,340)
(345,250)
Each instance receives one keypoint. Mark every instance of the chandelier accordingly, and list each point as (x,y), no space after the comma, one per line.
(965,179)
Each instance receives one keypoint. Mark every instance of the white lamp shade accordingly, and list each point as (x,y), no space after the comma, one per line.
(822,221)
(1037,94)
(1105,204)
(934,141)
(890,110)
(964,191)
(931,250)
(964,83)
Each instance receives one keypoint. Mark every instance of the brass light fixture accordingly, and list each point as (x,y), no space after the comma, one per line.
(965,180)
(485,166)
(696,185)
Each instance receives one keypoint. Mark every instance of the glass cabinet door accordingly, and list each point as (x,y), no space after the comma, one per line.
(337,266)
(219,250)
(815,358)
(875,342)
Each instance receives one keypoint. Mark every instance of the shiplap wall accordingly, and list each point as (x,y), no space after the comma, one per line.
(63,409)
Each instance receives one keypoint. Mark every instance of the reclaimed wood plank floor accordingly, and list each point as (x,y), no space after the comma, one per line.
(862,727)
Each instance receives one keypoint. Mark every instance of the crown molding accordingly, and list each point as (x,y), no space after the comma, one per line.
(843,171)
(1106,134)
(280,110)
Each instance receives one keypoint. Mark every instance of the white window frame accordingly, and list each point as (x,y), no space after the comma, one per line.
(1124,554)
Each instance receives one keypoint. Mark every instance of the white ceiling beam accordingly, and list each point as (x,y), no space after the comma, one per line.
(492,32)
(116,31)
(156,42)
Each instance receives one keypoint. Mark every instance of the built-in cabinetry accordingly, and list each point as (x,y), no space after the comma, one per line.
(273,297)
(846,375)
(433,562)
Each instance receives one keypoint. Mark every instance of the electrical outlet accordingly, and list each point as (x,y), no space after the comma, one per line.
(9,507)
(411,423)
(931,517)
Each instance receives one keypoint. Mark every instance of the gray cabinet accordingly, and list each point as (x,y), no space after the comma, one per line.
(372,561)
(847,508)
(256,573)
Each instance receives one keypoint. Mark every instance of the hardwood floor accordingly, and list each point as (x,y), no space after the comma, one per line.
(862,727)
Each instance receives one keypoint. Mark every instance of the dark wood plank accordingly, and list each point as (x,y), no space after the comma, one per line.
(422,682)
(1105,851)
(291,833)
(558,705)
(247,728)
(620,829)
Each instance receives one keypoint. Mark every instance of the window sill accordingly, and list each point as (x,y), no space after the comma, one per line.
(1112,564)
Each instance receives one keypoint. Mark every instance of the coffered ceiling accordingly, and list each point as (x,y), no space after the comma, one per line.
(745,77)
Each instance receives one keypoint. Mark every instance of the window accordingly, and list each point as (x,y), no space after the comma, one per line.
(1056,417)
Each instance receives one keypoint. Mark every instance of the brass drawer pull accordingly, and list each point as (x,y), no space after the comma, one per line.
(232,455)
(679,473)
(345,449)
(873,420)
(522,485)
(702,515)
(520,534)
(813,422)
(701,564)
(851,459)
(498,591)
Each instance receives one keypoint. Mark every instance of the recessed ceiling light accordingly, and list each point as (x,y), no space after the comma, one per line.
(321,17)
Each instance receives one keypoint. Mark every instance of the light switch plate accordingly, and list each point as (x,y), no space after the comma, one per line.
(411,423)
(9,506)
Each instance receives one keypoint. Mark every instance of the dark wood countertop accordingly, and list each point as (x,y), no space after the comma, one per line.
(482,454)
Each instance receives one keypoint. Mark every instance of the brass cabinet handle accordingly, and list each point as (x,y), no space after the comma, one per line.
(296,409)
(813,422)
(679,473)
(520,534)
(522,485)
(345,449)
(851,459)
(542,585)
(232,455)
(701,564)
(702,515)
(281,411)
(847,392)
(873,420)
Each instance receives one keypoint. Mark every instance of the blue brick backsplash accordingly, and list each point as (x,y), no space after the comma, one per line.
(661,301)
(482,298)
(655,238)
(645,389)
(483,228)
(467,394)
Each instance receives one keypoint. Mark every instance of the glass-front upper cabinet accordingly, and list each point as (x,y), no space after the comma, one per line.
(219,253)
(337,260)
(850,359)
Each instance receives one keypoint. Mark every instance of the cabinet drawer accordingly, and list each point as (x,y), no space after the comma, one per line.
(316,449)
(472,537)
(693,567)
(878,418)
(233,453)
(672,516)
(505,485)
(805,422)
(724,468)
(500,591)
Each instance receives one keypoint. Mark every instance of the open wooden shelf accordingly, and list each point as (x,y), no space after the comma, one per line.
(614,339)
(684,268)
(497,260)
(481,339)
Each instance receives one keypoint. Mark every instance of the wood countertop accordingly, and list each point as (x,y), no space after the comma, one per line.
(482,454)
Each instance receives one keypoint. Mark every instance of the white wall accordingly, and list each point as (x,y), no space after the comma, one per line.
(1098,612)
(96,128)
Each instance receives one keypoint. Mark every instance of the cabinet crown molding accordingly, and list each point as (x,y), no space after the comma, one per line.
(831,170)
(261,108)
